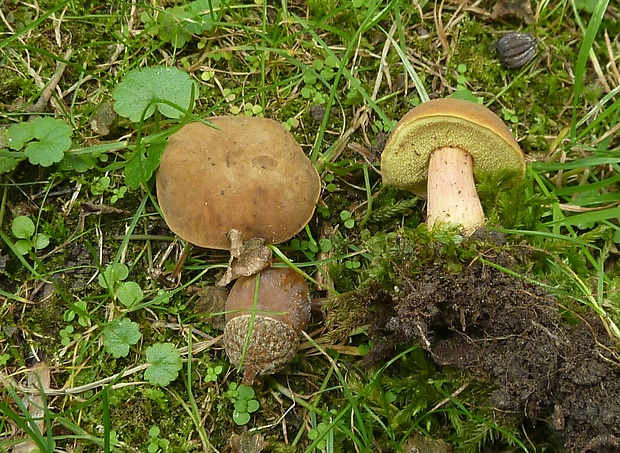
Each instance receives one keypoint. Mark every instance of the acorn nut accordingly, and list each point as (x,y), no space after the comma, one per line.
(262,336)
(515,49)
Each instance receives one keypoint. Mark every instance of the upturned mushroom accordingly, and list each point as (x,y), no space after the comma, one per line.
(247,180)
(438,148)
(262,333)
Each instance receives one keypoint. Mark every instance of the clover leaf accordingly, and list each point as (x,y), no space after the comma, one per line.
(119,335)
(45,140)
(165,362)
(143,90)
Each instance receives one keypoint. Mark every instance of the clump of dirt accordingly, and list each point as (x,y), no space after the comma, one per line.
(509,332)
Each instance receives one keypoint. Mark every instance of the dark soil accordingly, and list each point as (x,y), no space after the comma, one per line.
(510,333)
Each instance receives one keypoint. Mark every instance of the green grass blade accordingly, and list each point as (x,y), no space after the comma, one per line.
(584,52)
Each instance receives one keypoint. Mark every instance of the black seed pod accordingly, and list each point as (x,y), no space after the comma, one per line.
(515,50)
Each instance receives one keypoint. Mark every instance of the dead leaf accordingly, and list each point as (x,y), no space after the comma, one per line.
(246,258)
(247,443)
(520,10)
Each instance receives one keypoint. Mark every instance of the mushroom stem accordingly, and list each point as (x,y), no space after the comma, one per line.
(452,195)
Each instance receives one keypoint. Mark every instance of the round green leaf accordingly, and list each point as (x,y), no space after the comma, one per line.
(119,336)
(41,241)
(142,90)
(22,227)
(241,418)
(22,247)
(241,405)
(246,392)
(129,293)
(252,406)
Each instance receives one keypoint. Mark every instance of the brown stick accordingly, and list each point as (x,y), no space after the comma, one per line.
(46,95)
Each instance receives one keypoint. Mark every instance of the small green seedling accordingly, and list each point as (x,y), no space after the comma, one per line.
(323,431)
(352,264)
(104,184)
(462,92)
(43,141)
(213,372)
(165,362)
(155,442)
(67,335)
(291,123)
(127,292)
(207,75)
(4,359)
(461,79)
(329,182)
(311,247)
(178,24)
(82,319)
(347,218)
(242,397)
(379,126)
(216,55)
(365,348)
(320,69)
(252,109)
(510,115)
(119,335)
(24,230)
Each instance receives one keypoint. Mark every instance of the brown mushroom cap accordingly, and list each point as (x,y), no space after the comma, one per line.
(448,123)
(250,175)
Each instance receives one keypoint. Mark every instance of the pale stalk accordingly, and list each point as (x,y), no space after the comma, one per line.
(452,195)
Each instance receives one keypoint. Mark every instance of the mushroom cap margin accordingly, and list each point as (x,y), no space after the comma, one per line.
(448,122)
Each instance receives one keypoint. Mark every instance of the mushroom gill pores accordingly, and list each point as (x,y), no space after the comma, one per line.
(262,333)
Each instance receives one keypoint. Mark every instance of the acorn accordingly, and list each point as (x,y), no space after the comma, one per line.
(515,49)
(262,336)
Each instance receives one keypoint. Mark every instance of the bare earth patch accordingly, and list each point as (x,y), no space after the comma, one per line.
(511,334)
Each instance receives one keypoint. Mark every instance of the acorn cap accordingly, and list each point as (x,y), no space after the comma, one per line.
(250,175)
(454,123)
